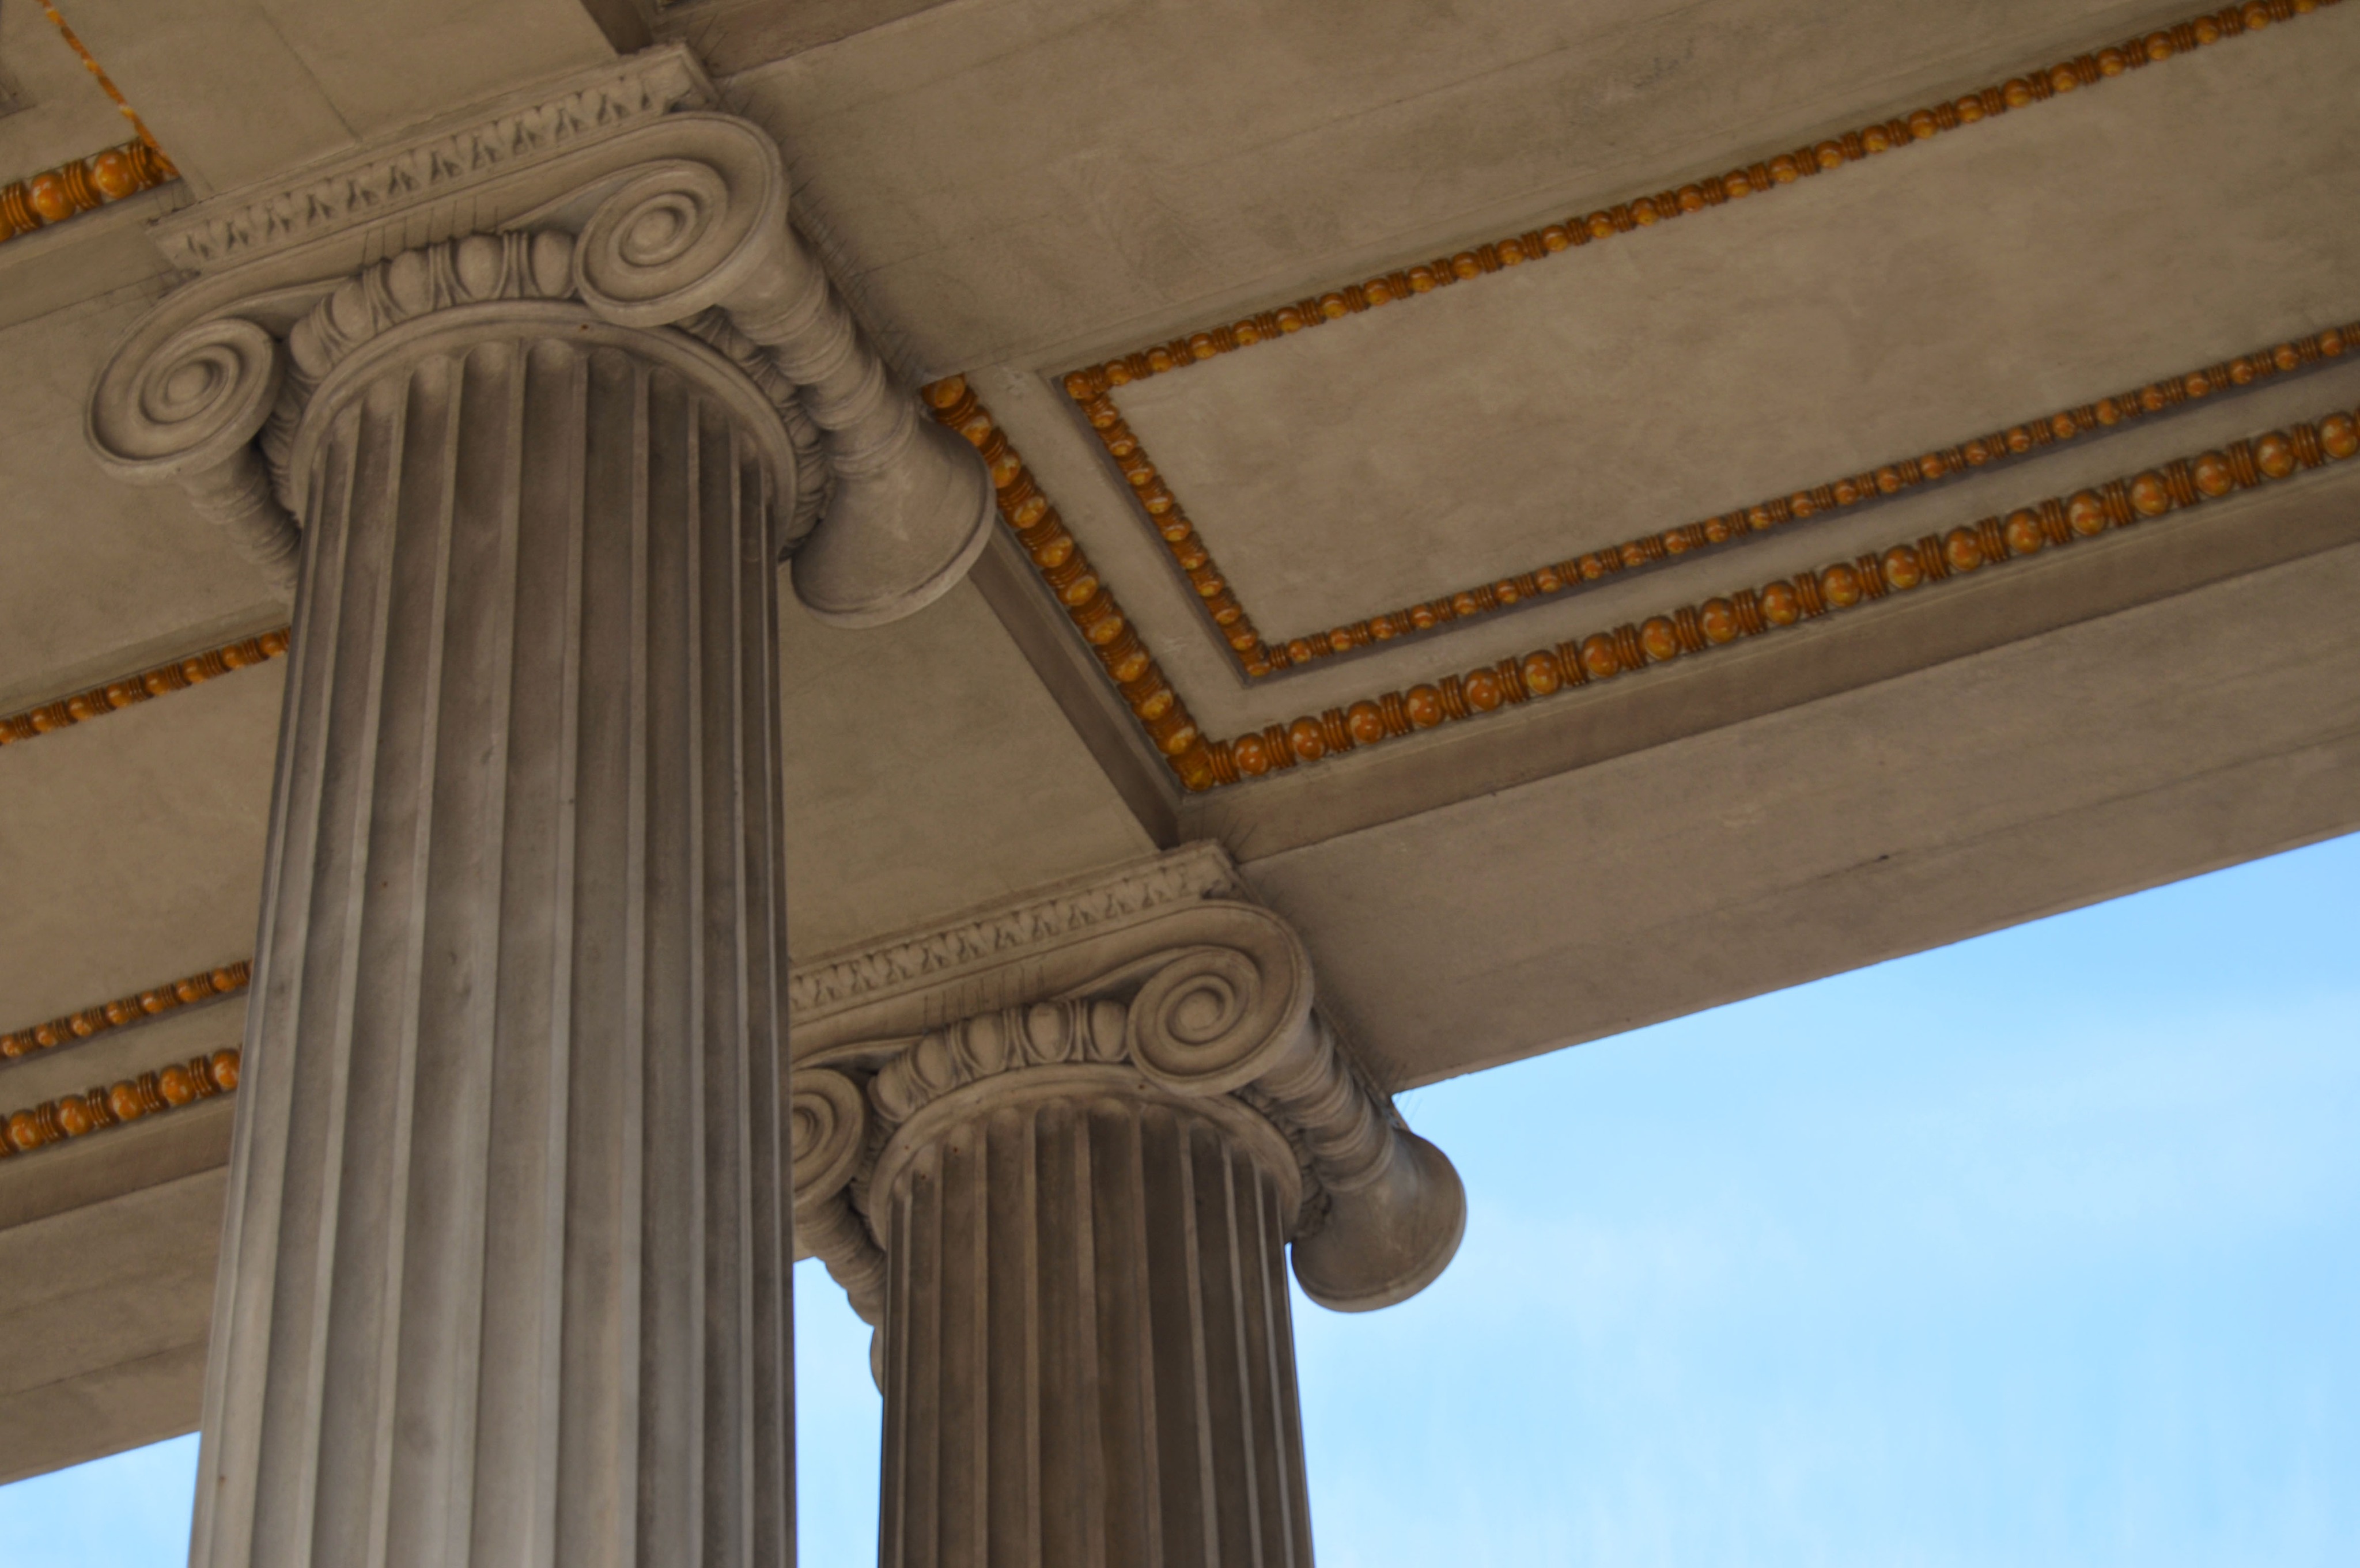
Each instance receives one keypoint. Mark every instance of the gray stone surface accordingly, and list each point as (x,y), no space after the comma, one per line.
(134,842)
(2060,769)
(50,110)
(238,90)
(102,1324)
(1610,392)
(1014,180)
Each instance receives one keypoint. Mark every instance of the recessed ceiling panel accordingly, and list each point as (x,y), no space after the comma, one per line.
(1758,347)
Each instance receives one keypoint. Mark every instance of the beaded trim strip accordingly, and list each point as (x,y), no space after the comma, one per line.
(105,1106)
(1071,577)
(1698,628)
(177,675)
(54,195)
(225,981)
(1091,387)
(1683,632)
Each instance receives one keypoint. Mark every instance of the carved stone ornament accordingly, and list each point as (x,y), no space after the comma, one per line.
(1161,982)
(610,189)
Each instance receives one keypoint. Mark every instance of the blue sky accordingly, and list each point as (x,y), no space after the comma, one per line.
(2043,1248)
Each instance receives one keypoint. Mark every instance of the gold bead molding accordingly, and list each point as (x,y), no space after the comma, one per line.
(177,676)
(1696,628)
(72,189)
(1682,632)
(228,980)
(108,1105)
(54,195)
(1091,387)
(1068,572)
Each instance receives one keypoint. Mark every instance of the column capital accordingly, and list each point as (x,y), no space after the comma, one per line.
(614,189)
(1162,979)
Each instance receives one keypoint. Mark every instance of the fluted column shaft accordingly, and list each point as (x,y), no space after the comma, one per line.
(1087,1353)
(505,1271)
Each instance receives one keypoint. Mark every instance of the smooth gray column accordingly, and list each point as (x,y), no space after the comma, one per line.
(505,1273)
(1088,1354)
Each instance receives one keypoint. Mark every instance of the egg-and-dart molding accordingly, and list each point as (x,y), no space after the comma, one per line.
(175,675)
(1681,632)
(84,184)
(1092,385)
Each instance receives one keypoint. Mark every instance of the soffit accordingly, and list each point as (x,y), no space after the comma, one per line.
(134,844)
(2057,279)
(1007,180)
(925,771)
(1866,315)
(241,90)
(2065,767)
(929,769)
(55,111)
(730,35)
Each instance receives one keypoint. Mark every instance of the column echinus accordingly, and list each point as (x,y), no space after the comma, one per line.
(527,408)
(1064,1211)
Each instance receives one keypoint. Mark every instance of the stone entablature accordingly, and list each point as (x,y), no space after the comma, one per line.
(479,147)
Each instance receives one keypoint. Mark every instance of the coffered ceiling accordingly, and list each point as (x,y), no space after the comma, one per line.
(1404,419)
(1603,508)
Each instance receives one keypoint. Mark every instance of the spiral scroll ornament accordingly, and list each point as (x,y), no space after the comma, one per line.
(829,1123)
(186,413)
(830,1117)
(1213,1020)
(911,506)
(190,405)
(1226,1031)
(683,235)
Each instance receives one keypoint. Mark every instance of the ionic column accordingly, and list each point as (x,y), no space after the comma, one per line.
(505,1266)
(505,1273)
(1068,1222)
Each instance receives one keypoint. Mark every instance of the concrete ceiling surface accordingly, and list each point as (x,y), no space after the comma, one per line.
(2064,769)
(133,843)
(2040,261)
(1025,179)
(1093,500)
(926,772)
(50,110)
(236,90)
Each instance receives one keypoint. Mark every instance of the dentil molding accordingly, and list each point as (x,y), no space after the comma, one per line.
(476,149)
(987,958)
(612,190)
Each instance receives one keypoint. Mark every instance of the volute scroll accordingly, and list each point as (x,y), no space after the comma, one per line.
(1376,1212)
(186,413)
(671,220)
